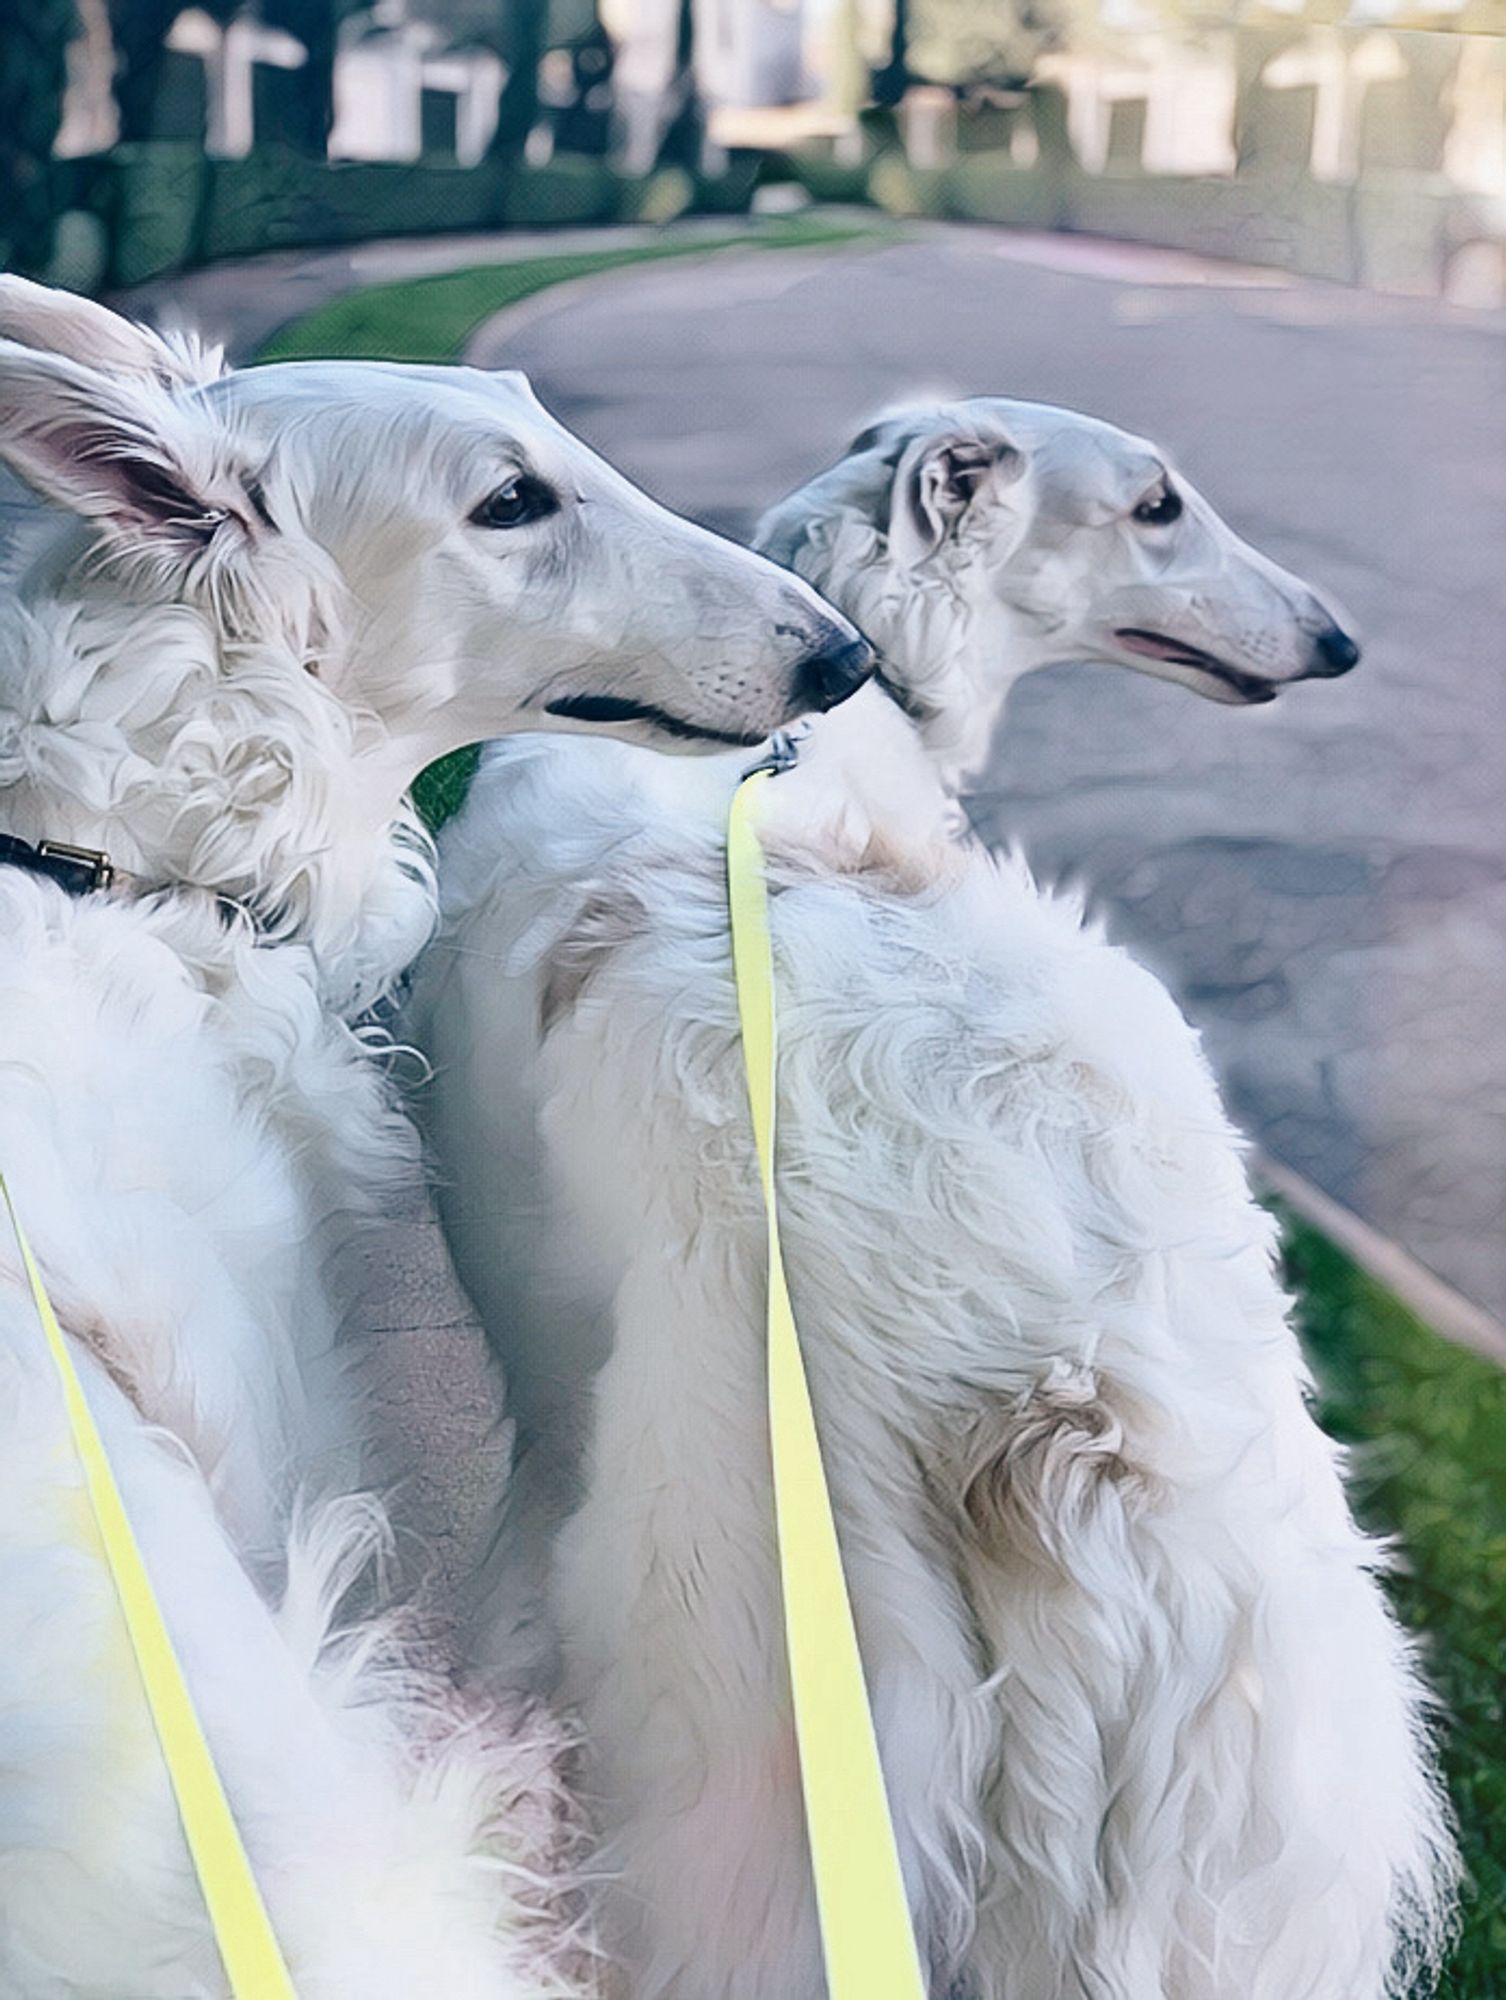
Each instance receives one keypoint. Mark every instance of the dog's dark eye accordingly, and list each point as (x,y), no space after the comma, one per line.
(519,500)
(1160,509)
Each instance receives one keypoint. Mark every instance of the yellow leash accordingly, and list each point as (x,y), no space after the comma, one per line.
(866,1934)
(253,1963)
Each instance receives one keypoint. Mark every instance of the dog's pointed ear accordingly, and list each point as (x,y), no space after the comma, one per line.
(79,329)
(939,476)
(122,453)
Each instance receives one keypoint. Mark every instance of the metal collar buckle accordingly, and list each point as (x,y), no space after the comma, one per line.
(97,869)
(782,754)
(78,870)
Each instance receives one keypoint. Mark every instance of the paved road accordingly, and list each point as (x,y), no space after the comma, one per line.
(1323,882)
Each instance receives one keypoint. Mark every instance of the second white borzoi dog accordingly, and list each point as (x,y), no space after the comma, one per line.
(1149,1730)
(260,604)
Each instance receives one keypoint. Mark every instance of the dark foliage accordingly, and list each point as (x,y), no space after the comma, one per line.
(34,37)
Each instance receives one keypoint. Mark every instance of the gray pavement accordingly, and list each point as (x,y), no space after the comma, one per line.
(1322,882)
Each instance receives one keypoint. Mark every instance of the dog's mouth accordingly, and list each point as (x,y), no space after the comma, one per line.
(1248,688)
(607,708)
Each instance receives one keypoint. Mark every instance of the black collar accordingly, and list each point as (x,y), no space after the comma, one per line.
(79,870)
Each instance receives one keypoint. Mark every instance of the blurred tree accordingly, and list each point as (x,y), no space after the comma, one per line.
(892,81)
(139,30)
(584,125)
(521,32)
(849,83)
(988,41)
(315,23)
(34,38)
(521,42)
(684,140)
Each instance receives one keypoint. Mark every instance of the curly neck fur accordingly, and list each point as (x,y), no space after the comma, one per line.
(926,631)
(198,745)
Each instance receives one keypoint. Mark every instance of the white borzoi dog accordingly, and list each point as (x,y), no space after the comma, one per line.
(1149,1730)
(260,603)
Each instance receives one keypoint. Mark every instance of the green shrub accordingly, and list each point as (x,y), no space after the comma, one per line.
(661,196)
(278,199)
(82,196)
(902,190)
(990,187)
(880,128)
(731,191)
(34,38)
(156,217)
(826,178)
(80,251)
(572,188)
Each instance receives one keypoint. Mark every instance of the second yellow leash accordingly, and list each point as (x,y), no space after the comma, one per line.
(866,1933)
(242,1929)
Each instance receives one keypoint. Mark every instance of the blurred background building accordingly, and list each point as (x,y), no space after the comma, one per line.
(1362,141)
(1174,185)
(1374,130)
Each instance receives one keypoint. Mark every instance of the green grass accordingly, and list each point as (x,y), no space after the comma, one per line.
(430,319)
(440,790)
(1426,1421)
(1427,1424)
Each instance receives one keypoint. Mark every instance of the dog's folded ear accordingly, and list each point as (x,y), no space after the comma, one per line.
(121,452)
(913,476)
(856,488)
(79,329)
(940,474)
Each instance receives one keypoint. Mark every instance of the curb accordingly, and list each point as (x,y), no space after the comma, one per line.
(1448,1312)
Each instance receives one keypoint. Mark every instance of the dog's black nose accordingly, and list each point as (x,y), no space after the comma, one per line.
(829,675)
(1334,652)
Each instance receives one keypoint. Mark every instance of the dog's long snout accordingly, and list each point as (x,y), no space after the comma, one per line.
(1334,652)
(837,668)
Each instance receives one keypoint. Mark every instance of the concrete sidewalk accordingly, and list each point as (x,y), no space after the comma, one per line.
(1322,882)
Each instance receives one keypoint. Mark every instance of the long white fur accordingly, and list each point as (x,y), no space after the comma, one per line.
(263,605)
(1148,1727)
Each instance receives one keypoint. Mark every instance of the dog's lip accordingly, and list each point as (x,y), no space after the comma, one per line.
(1178,653)
(618,708)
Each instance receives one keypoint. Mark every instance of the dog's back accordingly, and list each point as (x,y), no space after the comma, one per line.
(1082,1500)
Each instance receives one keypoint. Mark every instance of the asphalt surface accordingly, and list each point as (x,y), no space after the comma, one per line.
(1323,881)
